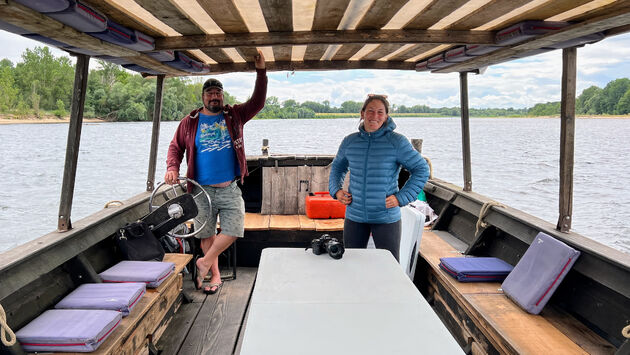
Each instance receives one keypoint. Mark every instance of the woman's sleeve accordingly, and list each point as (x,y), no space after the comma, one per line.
(338,169)
(418,169)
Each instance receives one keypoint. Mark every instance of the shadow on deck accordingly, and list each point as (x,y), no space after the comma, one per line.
(210,324)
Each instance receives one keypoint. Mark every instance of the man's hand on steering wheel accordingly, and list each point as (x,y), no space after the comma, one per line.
(171,177)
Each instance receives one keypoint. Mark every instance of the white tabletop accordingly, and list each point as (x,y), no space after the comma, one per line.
(361,304)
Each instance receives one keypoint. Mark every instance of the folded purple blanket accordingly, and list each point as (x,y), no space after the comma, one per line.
(72,330)
(153,273)
(120,297)
(476,269)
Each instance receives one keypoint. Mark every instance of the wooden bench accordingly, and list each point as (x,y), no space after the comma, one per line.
(131,336)
(507,327)
(259,222)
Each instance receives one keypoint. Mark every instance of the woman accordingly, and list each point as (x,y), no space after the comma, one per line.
(374,156)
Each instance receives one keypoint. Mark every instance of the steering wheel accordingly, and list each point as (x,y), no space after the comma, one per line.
(175,210)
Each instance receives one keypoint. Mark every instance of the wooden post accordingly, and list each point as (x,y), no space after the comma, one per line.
(567,138)
(463,90)
(265,147)
(155,135)
(74,137)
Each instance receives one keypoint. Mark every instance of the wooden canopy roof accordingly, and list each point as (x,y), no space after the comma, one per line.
(327,34)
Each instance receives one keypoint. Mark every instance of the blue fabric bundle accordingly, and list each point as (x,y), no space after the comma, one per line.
(482,269)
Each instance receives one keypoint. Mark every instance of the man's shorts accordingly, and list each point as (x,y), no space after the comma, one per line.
(227,202)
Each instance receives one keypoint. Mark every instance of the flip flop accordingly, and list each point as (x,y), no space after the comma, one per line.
(208,289)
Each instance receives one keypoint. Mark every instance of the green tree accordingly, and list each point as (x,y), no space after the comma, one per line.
(55,77)
(612,93)
(8,92)
(623,106)
(351,106)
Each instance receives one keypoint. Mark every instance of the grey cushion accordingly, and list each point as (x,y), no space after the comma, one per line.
(539,272)
(120,297)
(72,330)
(153,273)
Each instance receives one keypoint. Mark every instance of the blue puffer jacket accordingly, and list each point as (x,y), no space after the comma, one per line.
(374,160)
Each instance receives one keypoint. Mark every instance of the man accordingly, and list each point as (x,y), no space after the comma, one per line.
(212,138)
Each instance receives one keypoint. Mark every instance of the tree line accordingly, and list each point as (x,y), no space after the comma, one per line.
(42,83)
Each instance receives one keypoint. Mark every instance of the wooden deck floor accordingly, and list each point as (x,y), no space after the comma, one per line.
(210,324)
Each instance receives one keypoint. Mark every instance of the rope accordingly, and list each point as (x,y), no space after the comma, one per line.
(626,331)
(6,330)
(112,203)
(482,214)
(430,167)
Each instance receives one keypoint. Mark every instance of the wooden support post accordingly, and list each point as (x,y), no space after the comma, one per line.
(567,138)
(155,135)
(463,92)
(265,147)
(74,137)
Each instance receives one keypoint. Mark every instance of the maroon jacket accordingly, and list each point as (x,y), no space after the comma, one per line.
(235,118)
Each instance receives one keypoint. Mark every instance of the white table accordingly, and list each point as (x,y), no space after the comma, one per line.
(363,303)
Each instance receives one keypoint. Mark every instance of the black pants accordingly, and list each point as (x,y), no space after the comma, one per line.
(386,235)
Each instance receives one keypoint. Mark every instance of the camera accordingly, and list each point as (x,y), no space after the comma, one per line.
(328,244)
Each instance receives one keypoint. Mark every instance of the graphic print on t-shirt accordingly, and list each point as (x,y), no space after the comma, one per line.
(214,137)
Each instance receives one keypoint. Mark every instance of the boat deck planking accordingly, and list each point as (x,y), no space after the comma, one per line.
(210,324)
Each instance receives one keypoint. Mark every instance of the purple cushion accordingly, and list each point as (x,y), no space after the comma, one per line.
(82,18)
(45,5)
(76,330)
(483,269)
(153,273)
(120,297)
(539,272)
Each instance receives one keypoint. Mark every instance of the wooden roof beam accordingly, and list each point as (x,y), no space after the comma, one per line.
(222,68)
(323,37)
(611,20)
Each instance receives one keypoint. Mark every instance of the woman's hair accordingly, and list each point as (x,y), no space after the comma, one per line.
(381,98)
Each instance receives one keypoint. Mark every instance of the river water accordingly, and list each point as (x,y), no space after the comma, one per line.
(514,161)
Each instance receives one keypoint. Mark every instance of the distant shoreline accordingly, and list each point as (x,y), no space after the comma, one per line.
(6,119)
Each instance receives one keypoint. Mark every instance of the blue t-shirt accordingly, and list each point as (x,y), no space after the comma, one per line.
(215,159)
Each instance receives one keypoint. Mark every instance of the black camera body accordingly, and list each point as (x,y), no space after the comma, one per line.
(328,244)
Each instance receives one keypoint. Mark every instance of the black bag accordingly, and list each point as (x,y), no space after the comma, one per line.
(137,242)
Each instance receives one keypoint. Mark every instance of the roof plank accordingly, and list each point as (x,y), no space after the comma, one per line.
(248,53)
(543,12)
(346,52)
(282,53)
(611,19)
(433,13)
(168,13)
(377,16)
(324,37)
(328,15)
(218,55)
(487,13)
(278,14)
(225,14)
(120,17)
(312,65)
(381,51)
(413,51)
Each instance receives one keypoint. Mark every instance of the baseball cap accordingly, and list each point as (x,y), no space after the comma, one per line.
(212,83)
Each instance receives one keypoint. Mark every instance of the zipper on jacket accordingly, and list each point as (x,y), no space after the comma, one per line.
(365,174)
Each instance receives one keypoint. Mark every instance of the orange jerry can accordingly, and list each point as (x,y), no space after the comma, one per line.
(322,205)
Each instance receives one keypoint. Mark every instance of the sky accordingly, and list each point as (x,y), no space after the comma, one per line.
(518,84)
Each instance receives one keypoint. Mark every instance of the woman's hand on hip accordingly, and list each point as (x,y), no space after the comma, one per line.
(391,201)
(344,197)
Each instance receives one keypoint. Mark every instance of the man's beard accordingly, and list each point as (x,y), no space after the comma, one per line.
(214,109)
